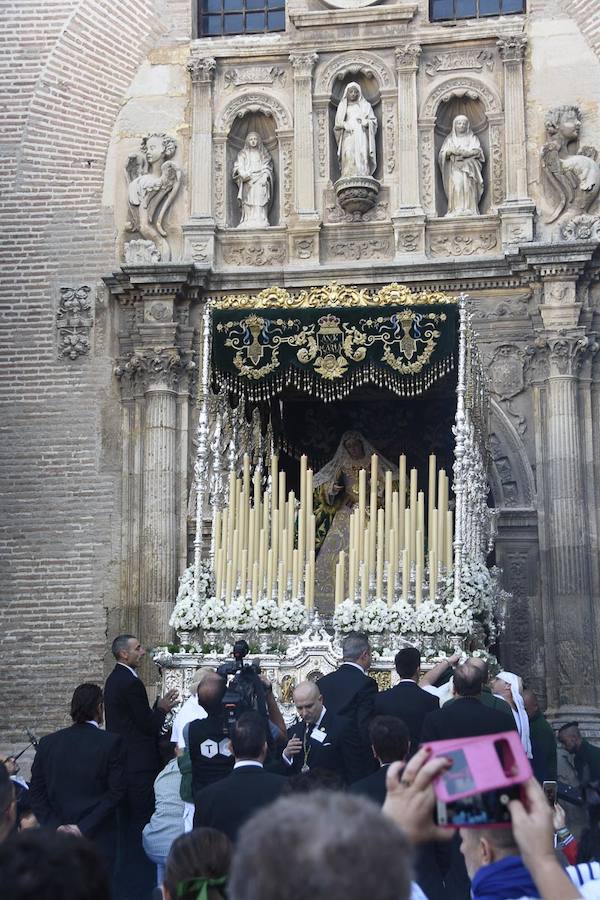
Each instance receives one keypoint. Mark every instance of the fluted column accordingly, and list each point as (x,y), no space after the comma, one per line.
(574,674)
(407,64)
(302,65)
(201,73)
(512,51)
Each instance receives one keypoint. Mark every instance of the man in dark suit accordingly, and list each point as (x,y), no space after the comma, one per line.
(78,775)
(390,741)
(319,740)
(466,716)
(407,700)
(349,692)
(228,803)
(128,713)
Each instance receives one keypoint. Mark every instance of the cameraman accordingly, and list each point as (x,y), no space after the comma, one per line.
(210,755)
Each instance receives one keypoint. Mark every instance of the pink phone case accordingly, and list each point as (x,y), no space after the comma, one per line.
(477,767)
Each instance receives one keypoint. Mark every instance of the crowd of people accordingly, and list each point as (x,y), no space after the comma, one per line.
(230,802)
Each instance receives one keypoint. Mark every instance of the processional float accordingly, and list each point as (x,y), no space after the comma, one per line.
(408,544)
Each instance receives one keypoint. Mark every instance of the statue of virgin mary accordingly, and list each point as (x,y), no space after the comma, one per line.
(355,128)
(336,497)
(461,159)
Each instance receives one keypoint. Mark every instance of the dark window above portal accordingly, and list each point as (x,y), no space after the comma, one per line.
(450,10)
(223,17)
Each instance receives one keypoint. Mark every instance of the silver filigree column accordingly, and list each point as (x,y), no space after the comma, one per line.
(201,463)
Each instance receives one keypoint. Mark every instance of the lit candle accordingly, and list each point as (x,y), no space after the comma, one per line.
(244,572)
(295,562)
(255,582)
(380,552)
(442,508)
(395,523)
(274,480)
(421,514)
(245,502)
(262,559)
(229,582)
(218,558)
(290,525)
(391,577)
(413,512)
(337,590)
(309,511)
(310,581)
(275,537)
(342,565)
(234,558)
(373,512)
(281,583)
(283,555)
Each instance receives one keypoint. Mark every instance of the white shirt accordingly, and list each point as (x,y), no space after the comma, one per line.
(92,722)
(189,712)
(133,672)
(356,666)
(247,762)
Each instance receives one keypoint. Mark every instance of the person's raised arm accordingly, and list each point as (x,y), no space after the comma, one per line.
(439,670)
(534,833)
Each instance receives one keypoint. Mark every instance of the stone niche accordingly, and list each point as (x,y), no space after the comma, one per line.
(473,109)
(370,90)
(264,126)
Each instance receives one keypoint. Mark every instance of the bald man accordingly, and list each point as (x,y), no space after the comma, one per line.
(320,740)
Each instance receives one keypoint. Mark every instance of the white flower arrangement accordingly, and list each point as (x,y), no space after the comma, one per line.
(375,617)
(187,611)
(267,614)
(401,618)
(186,614)
(213,615)
(292,616)
(458,617)
(240,615)
(348,617)
(429,618)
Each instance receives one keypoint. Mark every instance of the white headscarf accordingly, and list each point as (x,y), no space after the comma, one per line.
(331,470)
(521,717)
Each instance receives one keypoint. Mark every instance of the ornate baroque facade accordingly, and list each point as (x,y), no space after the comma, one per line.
(129,217)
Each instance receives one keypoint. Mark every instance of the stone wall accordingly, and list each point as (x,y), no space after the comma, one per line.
(86,82)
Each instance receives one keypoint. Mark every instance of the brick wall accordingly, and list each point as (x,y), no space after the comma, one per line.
(64,69)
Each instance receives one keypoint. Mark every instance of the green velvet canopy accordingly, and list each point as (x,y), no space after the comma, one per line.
(327,352)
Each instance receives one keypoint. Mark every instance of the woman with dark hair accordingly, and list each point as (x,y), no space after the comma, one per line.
(198,866)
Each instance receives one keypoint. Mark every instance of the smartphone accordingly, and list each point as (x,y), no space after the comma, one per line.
(478,810)
(550,789)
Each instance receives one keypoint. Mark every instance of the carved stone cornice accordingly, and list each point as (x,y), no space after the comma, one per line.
(512,49)
(201,69)
(303,63)
(407,57)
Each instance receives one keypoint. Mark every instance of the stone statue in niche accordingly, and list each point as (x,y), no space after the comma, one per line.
(570,172)
(461,159)
(355,128)
(253,174)
(153,184)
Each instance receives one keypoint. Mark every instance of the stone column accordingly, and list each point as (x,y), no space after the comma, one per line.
(302,65)
(199,231)
(155,367)
(409,218)
(572,661)
(517,210)
(304,225)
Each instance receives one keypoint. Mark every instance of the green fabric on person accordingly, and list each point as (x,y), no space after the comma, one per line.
(185,767)
(543,743)
(490,699)
(588,755)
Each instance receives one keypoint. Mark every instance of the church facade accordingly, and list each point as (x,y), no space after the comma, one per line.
(158,154)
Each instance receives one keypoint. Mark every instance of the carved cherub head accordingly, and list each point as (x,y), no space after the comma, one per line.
(155,146)
(564,123)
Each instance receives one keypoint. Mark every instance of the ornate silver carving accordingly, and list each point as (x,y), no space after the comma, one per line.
(74,321)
